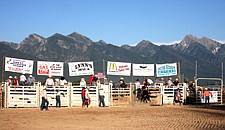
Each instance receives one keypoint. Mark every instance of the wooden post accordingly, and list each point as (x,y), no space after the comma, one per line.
(179,79)
(3,69)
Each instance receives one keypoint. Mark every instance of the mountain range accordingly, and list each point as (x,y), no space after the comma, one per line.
(208,53)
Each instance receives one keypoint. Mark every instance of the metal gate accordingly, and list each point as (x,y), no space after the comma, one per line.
(76,96)
(64,96)
(168,93)
(216,90)
(21,96)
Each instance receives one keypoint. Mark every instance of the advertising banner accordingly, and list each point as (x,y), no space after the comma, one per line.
(50,68)
(143,70)
(118,68)
(19,65)
(166,69)
(81,68)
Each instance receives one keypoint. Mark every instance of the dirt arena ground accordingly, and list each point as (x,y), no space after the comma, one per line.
(127,117)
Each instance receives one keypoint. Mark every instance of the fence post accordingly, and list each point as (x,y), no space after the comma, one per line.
(70,93)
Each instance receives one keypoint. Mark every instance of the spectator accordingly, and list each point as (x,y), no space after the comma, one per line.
(57,83)
(31,80)
(23,79)
(83,83)
(169,82)
(162,81)
(176,82)
(10,80)
(106,80)
(111,84)
(94,80)
(62,81)
(156,81)
(15,82)
(122,83)
(49,81)
(44,99)
(90,79)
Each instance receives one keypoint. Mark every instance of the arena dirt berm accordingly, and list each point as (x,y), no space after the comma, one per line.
(125,117)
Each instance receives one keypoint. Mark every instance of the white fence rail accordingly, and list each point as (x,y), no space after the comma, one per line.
(22,96)
(29,96)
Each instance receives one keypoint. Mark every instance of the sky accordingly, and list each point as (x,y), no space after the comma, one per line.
(116,22)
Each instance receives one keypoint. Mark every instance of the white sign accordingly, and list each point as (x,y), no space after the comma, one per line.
(50,68)
(118,68)
(212,99)
(143,70)
(166,69)
(19,65)
(81,68)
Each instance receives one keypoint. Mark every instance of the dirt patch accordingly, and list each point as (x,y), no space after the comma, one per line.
(127,117)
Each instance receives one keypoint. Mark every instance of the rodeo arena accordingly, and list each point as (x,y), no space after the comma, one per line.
(97,102)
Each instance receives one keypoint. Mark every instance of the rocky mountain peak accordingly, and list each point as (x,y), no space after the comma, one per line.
(206,42)
(126,46)
(144,44)
(188,39)
(78,37)
(32,39)
(102,42)
(36,36)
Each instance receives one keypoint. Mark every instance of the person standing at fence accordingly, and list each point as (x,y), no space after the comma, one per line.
(176,82)
(62,81)
(90,80)
(94,80)
(156,82)
(206,94)
(122,83)
(83,83)
(162,81)
(15,82)
(23,79)
(49,81)
(30,80)
(101,97)
(10,80)
(44,99)
(169,82)
(111,84)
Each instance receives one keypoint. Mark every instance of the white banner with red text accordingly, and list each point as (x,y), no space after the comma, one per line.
(50,68)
